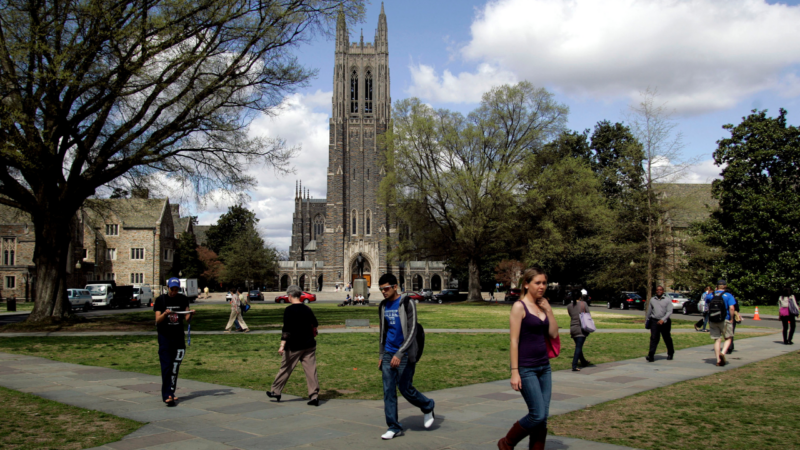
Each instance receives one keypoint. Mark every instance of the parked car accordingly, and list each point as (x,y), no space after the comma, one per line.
(626,300)
(568,298)
(690,305)
(447,295)
(80,298)
(678,300)
(427,293)
(513,295)
(255,295)
(416,296)
(306,298)
(108,293)
(143,295)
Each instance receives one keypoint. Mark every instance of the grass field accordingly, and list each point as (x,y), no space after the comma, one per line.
(21,306)
(347,363)
(756,406)
(771,310)
(31,422)
(270,316)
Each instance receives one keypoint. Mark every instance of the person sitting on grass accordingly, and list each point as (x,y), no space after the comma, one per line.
(171,344)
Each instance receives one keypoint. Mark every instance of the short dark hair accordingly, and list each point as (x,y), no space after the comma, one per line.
(387,278)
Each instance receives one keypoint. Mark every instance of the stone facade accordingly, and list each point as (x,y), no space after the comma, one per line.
(328,234)
(131,240)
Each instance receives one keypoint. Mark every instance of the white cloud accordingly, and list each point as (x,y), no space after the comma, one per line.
(299,122)
(702,55)
(464,88)
(703,172)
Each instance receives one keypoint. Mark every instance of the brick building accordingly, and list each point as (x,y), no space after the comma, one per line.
(329,233)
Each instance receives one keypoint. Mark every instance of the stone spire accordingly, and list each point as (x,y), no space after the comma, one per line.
(342,35)
(382,35)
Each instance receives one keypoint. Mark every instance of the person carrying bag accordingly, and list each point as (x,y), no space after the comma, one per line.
(580,326)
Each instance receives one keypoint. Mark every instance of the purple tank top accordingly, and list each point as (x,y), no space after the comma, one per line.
(532,345)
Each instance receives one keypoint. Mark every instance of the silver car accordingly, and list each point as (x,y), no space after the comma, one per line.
(80,299)
(678,300)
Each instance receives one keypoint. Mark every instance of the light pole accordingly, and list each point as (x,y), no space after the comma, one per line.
(632,264)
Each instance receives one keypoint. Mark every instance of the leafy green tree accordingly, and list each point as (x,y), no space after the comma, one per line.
(186,260)
(229,225)
(453,178)
(248,259)
(94,91)
(758,221)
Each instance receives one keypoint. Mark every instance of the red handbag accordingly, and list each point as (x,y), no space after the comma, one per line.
(553,347)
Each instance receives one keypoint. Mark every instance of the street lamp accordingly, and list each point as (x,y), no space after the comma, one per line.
(633,264)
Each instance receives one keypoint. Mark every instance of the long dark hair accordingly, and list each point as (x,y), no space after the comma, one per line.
(527,277)
(787,292)
(576,294)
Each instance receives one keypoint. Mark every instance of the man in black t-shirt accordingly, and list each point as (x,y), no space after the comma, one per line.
(171,346)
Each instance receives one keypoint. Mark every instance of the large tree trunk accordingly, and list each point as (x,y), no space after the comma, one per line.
(50,257)
(474,280)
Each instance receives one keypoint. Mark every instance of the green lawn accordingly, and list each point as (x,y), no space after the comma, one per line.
(270,316)
(31,422)
(347,363)
(753,407)
(769,310)
(21,306)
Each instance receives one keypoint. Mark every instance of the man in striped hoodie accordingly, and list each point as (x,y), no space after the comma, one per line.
(398,350)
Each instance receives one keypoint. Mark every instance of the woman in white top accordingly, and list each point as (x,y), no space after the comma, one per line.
(785,303)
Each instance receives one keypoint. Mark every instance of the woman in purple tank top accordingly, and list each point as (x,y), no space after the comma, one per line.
(532,323)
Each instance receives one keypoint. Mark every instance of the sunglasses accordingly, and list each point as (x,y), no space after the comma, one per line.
(388,288)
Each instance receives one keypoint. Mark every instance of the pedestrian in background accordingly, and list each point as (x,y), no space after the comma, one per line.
(721,303)
(575,309)
(787,310)
(659,310)
(297,345)
(236,314)
(532,323)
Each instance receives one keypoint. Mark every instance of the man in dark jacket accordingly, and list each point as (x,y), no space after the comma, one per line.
(398,350)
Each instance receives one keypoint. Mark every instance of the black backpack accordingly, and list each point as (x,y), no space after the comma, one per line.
(420,337)
(717,311)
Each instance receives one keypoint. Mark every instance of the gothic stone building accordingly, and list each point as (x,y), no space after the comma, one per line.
(329,233)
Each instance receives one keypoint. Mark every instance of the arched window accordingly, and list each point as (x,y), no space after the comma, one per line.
(354,221)
(368,92)
(354,92)
(319,226)
(368,222)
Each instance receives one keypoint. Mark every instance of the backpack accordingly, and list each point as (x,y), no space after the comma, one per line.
(420,337)
(717,311)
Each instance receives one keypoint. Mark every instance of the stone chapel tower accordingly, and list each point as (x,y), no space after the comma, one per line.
(355,222)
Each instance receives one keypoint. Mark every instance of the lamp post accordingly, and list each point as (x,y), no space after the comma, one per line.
(632,264)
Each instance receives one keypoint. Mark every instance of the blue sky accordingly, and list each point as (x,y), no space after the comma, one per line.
(712,62)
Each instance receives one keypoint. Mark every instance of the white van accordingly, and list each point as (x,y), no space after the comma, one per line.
(143,295)
(80,299)
(189,288)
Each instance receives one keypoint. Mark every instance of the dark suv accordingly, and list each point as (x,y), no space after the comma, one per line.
(447,295)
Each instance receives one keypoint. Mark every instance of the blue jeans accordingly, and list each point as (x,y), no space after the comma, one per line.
(578,351)
(705,320)
(537,385)
(170,354)
(401,378)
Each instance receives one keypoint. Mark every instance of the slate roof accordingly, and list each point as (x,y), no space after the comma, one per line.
(181,224)
(689,203)
(200,233)
(312,246)
(132,212)
(9,216)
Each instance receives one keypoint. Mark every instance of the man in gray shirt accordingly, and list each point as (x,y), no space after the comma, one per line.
(658,311)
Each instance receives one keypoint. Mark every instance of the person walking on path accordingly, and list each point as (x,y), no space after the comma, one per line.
(398,355)
(532,324)
(205,292)
(702,308)
(171,345)
(787,306)
(721,303)
(574,310)
(297,345)
(236,314)
(659,310)
(244,305)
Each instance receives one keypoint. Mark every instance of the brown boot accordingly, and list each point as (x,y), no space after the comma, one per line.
(514,436)
(538,438)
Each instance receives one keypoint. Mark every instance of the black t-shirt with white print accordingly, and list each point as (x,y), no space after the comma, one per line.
(172,326)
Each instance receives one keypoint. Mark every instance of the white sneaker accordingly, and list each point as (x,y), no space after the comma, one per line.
(428,419)
(391,434)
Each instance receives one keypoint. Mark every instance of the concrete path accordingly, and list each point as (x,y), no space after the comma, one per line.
(352,330)
(471,417)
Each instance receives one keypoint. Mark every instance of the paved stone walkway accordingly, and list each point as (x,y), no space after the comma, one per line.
(212,416)
(354,330)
